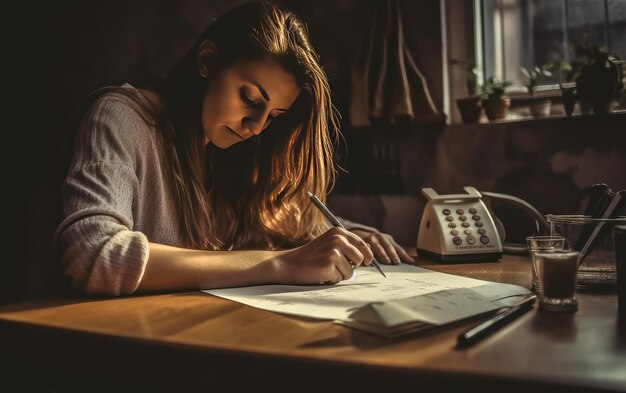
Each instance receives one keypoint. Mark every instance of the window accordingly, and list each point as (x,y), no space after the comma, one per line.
(524,33)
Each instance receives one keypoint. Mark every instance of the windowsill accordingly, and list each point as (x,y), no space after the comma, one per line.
(520,94)
(527,118)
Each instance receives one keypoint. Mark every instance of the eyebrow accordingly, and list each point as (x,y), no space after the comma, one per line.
(265,95)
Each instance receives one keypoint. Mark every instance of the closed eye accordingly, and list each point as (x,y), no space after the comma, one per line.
(247,100)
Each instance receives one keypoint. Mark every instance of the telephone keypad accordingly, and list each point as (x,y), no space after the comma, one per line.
(465,223)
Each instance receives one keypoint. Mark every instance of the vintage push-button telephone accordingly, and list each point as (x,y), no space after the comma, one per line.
(462,228)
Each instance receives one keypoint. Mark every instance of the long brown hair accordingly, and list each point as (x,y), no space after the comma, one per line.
(252,194)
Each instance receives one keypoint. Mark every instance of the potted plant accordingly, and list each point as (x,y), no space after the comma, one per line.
(569,97)
(599,78)
(495,102)
(538,107)
(470,107)
(568,88)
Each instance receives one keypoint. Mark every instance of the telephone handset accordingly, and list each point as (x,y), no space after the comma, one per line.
(462,227)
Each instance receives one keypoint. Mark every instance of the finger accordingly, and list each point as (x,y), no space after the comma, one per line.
(345,268)
(400,252)
(333,275)
(366,261)
(404,256)
(381,254)
(391,251)
(348,250)
(360,244)
(344,256)
(357,242)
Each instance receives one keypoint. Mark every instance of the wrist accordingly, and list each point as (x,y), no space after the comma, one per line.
(274,267)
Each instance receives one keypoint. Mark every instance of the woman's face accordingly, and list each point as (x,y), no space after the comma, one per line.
(243,99)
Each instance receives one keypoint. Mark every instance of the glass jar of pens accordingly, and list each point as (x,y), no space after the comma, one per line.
(594,239)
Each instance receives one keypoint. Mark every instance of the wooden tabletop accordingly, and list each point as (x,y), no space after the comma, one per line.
(194,341)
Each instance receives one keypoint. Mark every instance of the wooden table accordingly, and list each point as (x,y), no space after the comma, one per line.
(195,342)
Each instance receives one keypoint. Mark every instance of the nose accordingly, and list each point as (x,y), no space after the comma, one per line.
(256,124)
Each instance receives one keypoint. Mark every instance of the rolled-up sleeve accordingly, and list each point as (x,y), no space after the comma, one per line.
(103,257)
(100,251)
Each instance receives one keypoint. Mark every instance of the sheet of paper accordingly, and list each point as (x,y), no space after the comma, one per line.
(437,308)
(340,300)
(385,331)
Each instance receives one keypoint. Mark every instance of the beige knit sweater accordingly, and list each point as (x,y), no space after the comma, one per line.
(116,200)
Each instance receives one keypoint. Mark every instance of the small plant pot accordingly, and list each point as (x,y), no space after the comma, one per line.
(497,108)
(540,108)
(470,109)
(569,99)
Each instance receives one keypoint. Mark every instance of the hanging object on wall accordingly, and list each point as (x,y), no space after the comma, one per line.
(386,84)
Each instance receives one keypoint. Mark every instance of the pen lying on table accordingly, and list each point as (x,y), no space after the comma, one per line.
(475,333)
(335,222)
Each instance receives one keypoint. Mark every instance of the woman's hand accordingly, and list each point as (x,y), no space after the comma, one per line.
(385,249)
(328,259)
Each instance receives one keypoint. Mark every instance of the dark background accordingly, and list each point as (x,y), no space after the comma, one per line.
(59,51)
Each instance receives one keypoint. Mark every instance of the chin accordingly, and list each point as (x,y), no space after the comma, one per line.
(223,138)
(223,144)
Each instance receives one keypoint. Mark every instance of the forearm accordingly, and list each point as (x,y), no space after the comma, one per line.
(172,268)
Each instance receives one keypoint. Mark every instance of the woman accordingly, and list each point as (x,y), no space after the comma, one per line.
(201,181)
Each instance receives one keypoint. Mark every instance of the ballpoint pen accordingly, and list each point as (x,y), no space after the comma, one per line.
(475,333)
(335,222)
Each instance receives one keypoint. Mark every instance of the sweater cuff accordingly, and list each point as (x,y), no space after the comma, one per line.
(102,257)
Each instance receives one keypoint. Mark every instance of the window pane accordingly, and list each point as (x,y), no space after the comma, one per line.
(529,33)
(586,22)
(547,42)
(617,30)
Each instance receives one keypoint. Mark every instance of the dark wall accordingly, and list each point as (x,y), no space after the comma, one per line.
(28,138)
(551,163)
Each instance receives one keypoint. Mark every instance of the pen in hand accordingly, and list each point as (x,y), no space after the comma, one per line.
(475,333)
(335,222)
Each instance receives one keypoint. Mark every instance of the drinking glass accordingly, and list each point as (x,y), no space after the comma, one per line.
(542,244)
(557,277)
